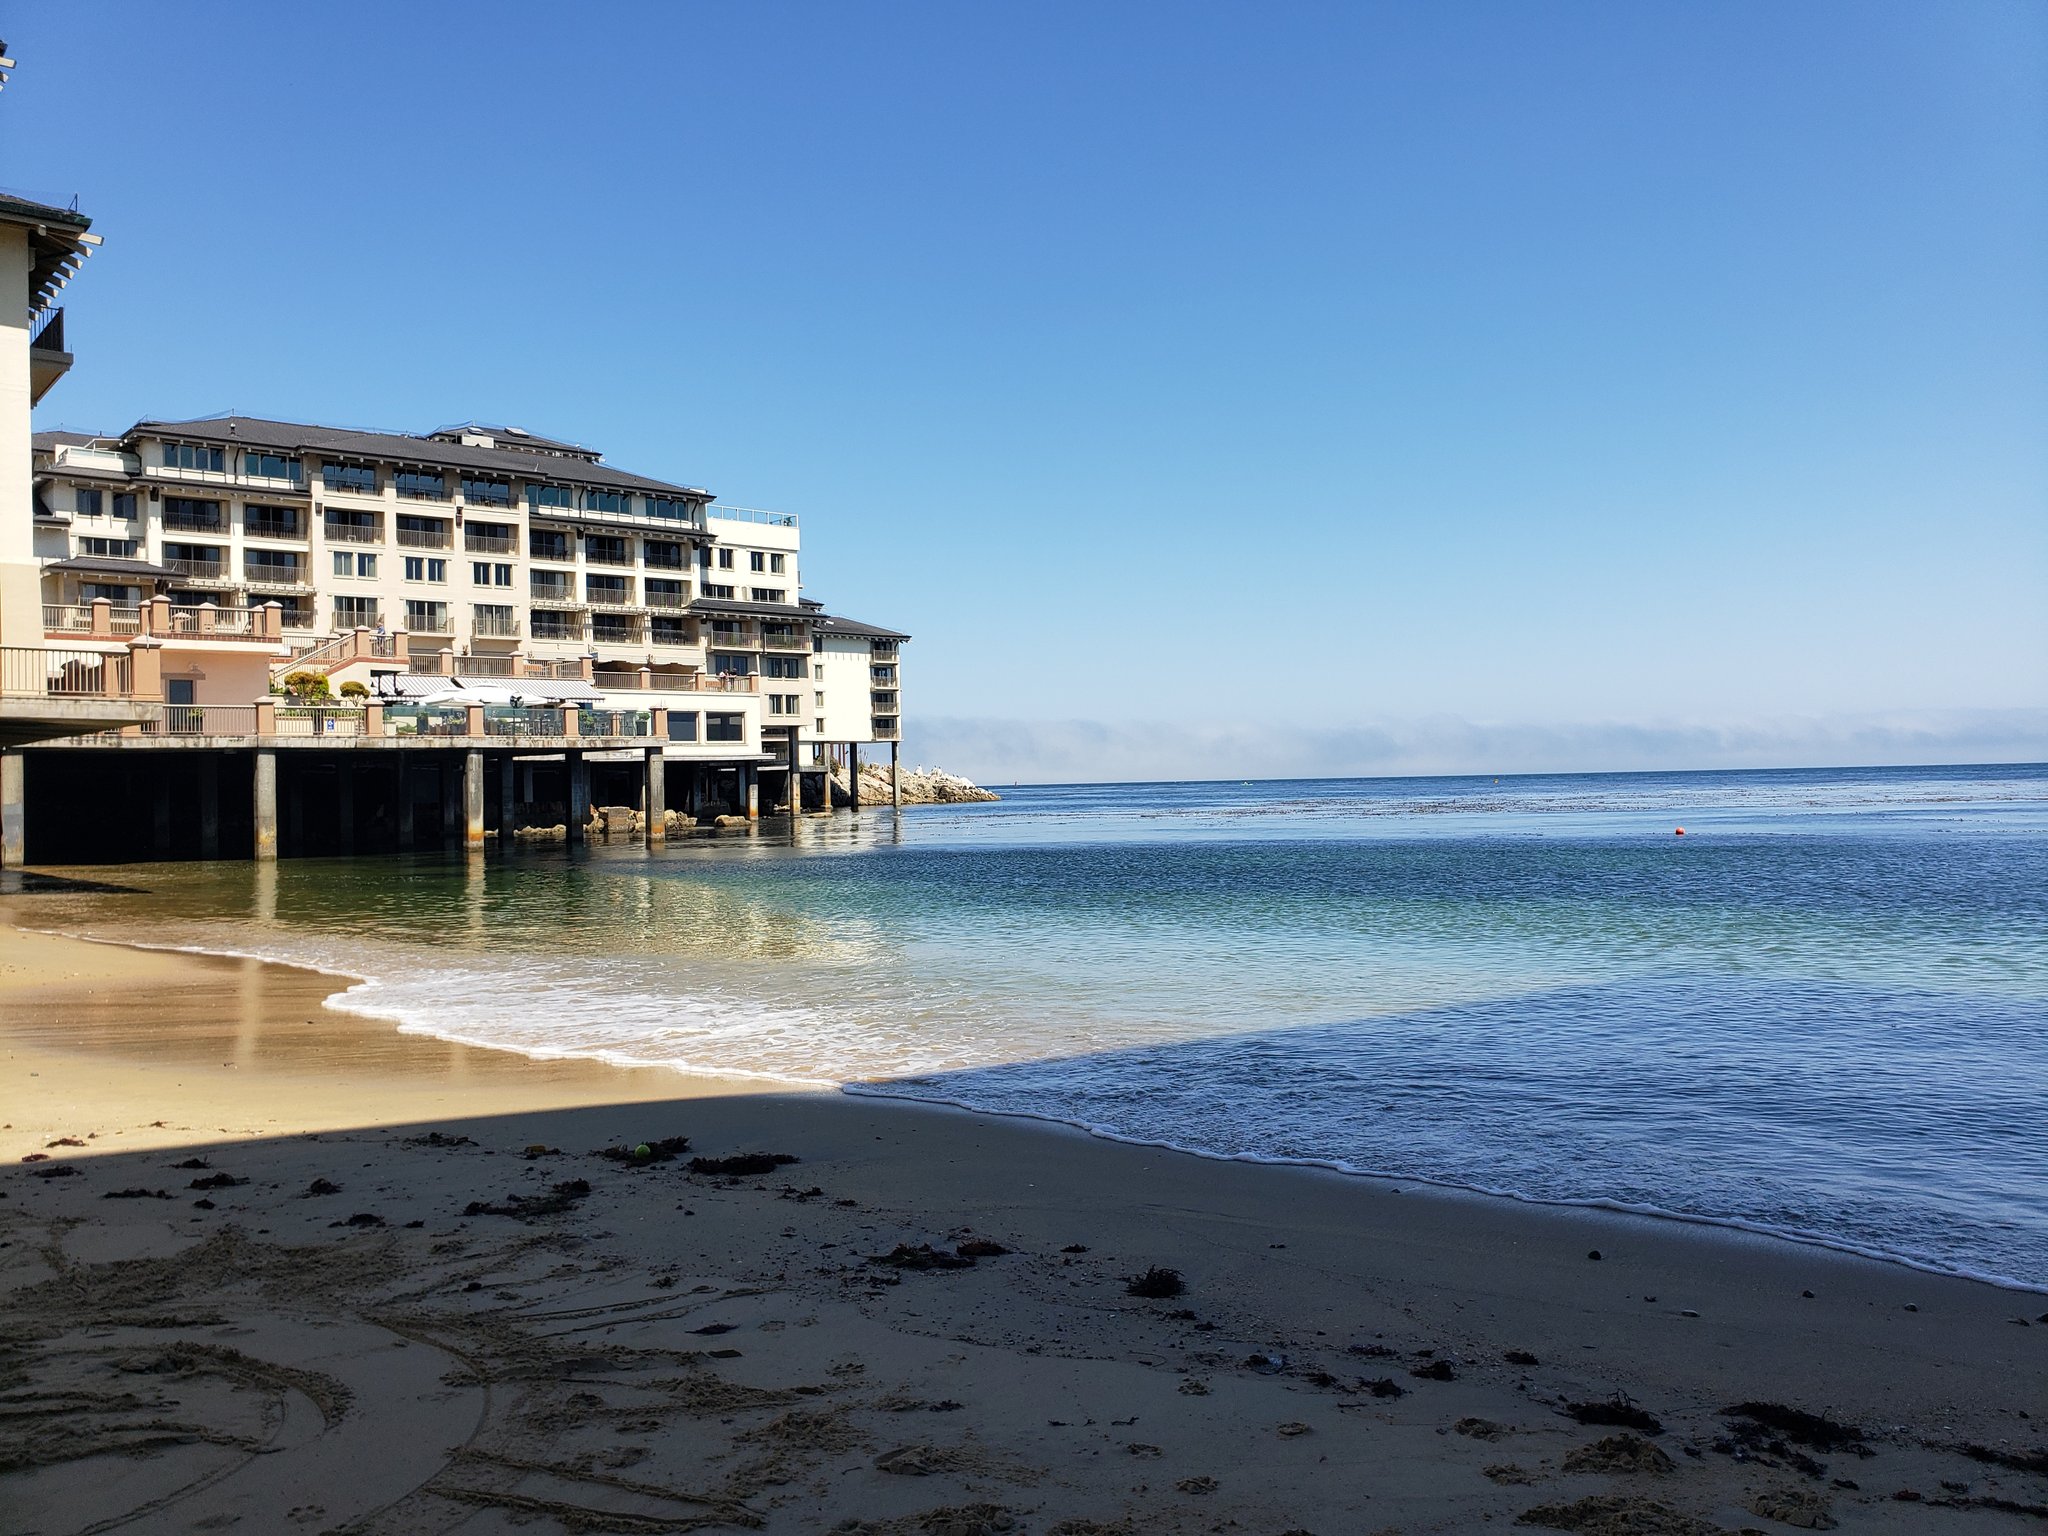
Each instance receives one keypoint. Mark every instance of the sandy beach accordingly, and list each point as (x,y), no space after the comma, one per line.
(268,1267)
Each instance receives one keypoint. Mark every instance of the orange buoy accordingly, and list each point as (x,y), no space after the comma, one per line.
(1679,833)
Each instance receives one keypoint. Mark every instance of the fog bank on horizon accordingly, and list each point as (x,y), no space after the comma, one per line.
(998,751)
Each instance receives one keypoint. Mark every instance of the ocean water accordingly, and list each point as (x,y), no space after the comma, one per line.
(1822,1012)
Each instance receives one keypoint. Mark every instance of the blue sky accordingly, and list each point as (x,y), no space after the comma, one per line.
(1212,390)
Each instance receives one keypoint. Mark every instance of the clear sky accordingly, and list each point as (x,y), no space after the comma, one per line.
(1212,390)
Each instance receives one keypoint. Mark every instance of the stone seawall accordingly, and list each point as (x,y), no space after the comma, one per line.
(921,786)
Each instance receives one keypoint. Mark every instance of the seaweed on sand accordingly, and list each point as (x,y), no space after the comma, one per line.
(666,1150)
(1619,1411)
(564,1196)
(921,1257)
(1156,1284)
(741,1164)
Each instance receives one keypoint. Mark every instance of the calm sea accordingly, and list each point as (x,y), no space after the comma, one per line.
(1823,1011)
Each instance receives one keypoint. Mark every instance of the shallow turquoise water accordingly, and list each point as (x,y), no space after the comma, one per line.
(1823,1011)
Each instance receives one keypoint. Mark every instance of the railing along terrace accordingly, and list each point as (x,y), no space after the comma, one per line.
(187,620)
(725,682)
(486,666)
(606,557)
(503,720)
(63,616)
(774,642)
(614,722)
(46,330)
(884,732)
(353,533)
(35,671)
(558,671)
(668,600)
(198,570)
(272,528)
(204,720)
(318,720)
(195,522)
(422,538)
(478,542)
(752,515)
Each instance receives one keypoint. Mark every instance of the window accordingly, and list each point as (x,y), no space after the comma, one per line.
(119,596)
(491,538)
(422,532)
(682,725)
(193,456)
(108,549)
(421,568)
(669,507)
(487,493)
(607,589)
(782,703)
(670,631)
(270,522)
(344,563)
(768,594)
(539,497)
(494,621)
(662,554)
(778,563)
(665,594)
(818,702)
(277,563)
(614,628)
(270,466)
(607,501)
(184,512)
(359,478)
(722,727)
(725,559)
(732,666)
(718,589)
(124,504)
(366,565)
(486,573)
(351,527)
(86,503)
(422,485)
(357,613)
(784,666)
(548,544)
(819,725)
(557,626)
(549,586)
(756,561)
(606,549)
(818,645)
(426,618)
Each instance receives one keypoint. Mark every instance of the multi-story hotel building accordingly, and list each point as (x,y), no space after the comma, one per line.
(494,553)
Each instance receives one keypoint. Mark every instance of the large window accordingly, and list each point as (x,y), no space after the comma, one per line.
(271,565)
(756,560)
(666,594)
(542,497)
(421,568)
(487,493)
(665,506)
(768,594)
(548,544)
(426,618)
(182,512)
(614,590)
(662,554)
(722,727)
(782,703)
(669,630)
(108,549)
(269,466)
(485,573)
(783,666)
(722,589)
(124,504)
(549,586)
(421,484)
(615,628)
(494,621)
(422,532)
(607,501)
(194,456)
(270,522)
(357,613)
(358,478)
(778,564)
(557,626)
(606,549)
(682,725)
(86,503)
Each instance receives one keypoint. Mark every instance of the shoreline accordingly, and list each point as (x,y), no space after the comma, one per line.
(696,1078)
(1349,1354)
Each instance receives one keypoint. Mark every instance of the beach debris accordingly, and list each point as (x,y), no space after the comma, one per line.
(742,1164)
(921,1257)
(540,1149)
(438,1139)
(59,1171)
(1608,1514)
(1909,1496)
(1620,1411)
(363,1219)
(964,1520)
(1481,1429)
(1083,1248)
(44,1157)
(1810,1429)
(193,1162)
(65,1141)
(667,1149)
(562,1197)
(1194,1386)
(1433,1370)
(1373,1351)
(1386,1386)
(1265,1365)
(203,1204)
(138,1194)
(980,1248)
(914,1461)
(715,1328)
(1797,1507)
(1594,1255)
(1806,1295)
(216,1181)
(1141,1449)
(2034,1461)
(1155,1284)
(1506,1472)
(1520,1357)
(1619,1453)
(1197,1485)
(320,1187)
(1293,1429)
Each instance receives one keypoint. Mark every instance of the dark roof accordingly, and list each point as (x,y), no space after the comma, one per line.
(829,625)
(57,242)
(717,605)
(62,439)
(518,436)
(112,565)
(406,448)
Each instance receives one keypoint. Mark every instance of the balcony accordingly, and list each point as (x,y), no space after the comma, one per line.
(886,729)
(550,549)
(605,597)
(669,601)
(424,538)
(484,541)
(494,627)
(353,617)
(194,522)
(275,576)
(47,360)
(732,640)
(545,629)
(200,573)
(354,533)
(273,528)
(33,671)
(771,640)
(601,556)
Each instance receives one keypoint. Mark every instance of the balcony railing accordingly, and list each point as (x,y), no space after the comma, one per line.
(204,720)
(212,619)
(423,538)
(614,722)
(204,571)
(752,515)
(494,629)
(885,730)
(46,330)
(669,600)
(353,533)
(603,599)
(558,634)
(358,618)
(34,671)
(512,721)
(194,522)
(774,642)
(318,720)
(272,528)
(479,542)
(76,618)
(733,640)
(606,557)
(486,666)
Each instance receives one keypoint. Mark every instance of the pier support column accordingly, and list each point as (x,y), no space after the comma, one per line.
(508,799)
(405,835)
(160,817)
(579,794)
(473,799)
(450,768)
(345,803)
(853,777)
(750,786)
(895,776)
(796,778)
(264,803)
(13,812)
(655,807)
(209,805)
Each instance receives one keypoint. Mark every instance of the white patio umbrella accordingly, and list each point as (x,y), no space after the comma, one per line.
(472,693)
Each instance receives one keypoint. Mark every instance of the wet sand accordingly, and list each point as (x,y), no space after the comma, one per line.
(486,1325)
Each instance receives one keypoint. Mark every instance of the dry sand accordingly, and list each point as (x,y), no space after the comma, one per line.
(485,1326)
